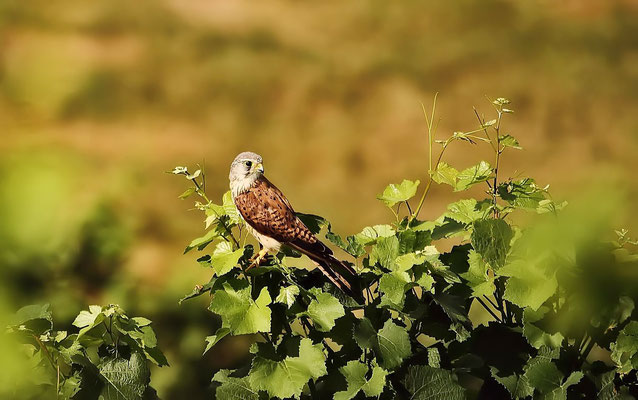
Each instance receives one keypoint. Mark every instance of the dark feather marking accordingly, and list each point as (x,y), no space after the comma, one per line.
(266,209)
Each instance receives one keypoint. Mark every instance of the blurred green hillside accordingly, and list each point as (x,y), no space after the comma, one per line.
(99,98)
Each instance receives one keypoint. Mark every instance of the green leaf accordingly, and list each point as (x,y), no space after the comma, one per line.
(509,141)
(405,262)
(491,239)
(434,358)
(462,180)
(287,378)
(394,194)
(36,317)
(477,275)
(524,193)
(287,295)
(324,309)
(518,386)
(543,375)
(427,383)
(370,234)
(445,173)
(187,193)
(473,175)
(70,386)
(624,352)
(393,285)
(141,321)
(224,259)
(391,343)
(350,245)
(232,388)
(87,318)
(536,336)
(464,211)
(239,312)
(124,379)
(202,241)
(529,285)
(214,339)
(355,374)
(413,241)
(230,209)
(385,252)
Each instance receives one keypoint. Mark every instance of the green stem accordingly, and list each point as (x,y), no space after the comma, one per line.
(202,194)
(46,351)
(429,184)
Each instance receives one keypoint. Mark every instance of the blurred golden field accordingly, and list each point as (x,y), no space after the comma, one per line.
(98,99)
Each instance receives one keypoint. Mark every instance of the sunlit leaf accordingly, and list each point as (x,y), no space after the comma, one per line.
(394,193)
(287,378)
(240,313)
(355,374)
(287,295)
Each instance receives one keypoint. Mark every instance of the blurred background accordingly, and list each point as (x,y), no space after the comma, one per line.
(98,99)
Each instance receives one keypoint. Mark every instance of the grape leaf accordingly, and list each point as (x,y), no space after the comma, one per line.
(240,313)
(491,239)
(287,295)
(324,309)
(394,193)
(288,377)
(232,388)
(355,374)
(224,259)
(427,383)
(391,343)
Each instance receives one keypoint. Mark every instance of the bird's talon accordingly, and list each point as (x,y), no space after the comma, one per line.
(256,260)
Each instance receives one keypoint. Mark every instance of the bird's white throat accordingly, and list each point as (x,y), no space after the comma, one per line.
(239,186)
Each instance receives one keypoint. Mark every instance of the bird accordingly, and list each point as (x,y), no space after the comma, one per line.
(272,221)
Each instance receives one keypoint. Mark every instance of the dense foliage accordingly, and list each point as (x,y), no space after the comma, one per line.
(106,359)
(552,295)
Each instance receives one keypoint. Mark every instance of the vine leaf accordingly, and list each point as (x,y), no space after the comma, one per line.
(477,276)
(428,383)
(517,385)
(462,180)
(239,312)
(355,374)
(232,388)
(287,295)
(394,193)
(391,343)
(370,234)
(324,309)
(124,379)
(624,352)
(491,239)
(213,339)
(287,378)
(224,259)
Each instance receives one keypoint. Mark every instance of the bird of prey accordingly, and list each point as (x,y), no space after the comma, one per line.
(272,221)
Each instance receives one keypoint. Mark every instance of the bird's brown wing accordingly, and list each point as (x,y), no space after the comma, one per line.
(266,209)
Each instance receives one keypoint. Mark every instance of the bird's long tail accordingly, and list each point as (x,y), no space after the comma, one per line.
(339,273)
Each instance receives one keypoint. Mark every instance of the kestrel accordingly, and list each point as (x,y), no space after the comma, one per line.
(272,221)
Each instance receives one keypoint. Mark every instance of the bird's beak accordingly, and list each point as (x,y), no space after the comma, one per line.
(259,167)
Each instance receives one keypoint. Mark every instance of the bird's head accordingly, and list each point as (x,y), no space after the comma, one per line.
(244,170)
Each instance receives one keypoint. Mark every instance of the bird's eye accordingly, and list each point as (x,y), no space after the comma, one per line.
(248,164)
